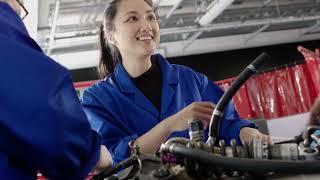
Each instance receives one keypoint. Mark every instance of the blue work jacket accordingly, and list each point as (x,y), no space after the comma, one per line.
(42,124)
(119,112)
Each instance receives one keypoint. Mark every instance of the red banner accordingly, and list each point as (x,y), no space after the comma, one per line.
(256,98)
(271,107)
(286,92)
(241,101)
(303,86)
(274,94)
(313,62)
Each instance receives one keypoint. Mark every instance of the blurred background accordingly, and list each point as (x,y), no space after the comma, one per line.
(215,37)
(193,32)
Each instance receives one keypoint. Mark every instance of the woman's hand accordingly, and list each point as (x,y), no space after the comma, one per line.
(247,135)
(105,160)
(314,118)
(151,140)
(197,110)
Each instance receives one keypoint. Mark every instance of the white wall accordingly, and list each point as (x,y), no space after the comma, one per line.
(287,127)
(31,21)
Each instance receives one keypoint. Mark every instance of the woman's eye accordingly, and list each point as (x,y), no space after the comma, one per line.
(132,19)
(152,18)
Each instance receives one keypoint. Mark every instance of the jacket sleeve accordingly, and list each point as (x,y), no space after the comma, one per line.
(49,133)
(42,124)
(114,135)
(77,148)
(231,123)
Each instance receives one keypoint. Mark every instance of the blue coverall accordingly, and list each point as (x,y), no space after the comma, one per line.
(42,124)
(120,113)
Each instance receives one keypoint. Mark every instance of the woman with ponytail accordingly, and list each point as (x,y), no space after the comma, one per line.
(143,100)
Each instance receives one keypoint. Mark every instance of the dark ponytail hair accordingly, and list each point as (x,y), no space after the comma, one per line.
(109,54)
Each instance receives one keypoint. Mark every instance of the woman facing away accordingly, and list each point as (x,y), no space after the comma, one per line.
(143,99)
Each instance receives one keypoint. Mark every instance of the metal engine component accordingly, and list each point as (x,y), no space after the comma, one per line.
(256,150)
(196,132)
(202,161)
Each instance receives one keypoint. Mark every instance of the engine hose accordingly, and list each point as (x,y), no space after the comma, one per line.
(258,167)
(122,165)
(224,100)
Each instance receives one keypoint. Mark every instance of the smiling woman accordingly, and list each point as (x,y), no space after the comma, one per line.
(144,99)
(130,34)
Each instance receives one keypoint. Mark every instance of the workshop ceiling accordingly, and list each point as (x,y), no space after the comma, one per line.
(71,25)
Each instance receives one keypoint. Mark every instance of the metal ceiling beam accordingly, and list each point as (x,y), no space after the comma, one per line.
(53,27)
(310,29)
(173,8)
(254,34)
(192,38)
(214,10)
(174,49)
(156,3)
(258,4)
(189,16)
(190,29)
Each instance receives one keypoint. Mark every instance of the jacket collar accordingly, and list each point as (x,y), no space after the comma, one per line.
(168,73)
(169,79)
(124,80)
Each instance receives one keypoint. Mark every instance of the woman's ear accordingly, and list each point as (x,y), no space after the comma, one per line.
(110,38)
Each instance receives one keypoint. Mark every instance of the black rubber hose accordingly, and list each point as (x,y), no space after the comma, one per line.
(224,100)
(122,165)
(261,167)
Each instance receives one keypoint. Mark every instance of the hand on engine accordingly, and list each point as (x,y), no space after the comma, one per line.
(105,160)
(314,118)
(247,135)
(197,110)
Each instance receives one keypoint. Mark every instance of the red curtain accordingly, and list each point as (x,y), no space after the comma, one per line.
(240,100)
(303,87)
(314,69)
(271,107)
(224,84)
(286,92)
(255,97)
(281,92)
(242,104)
(313,63)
